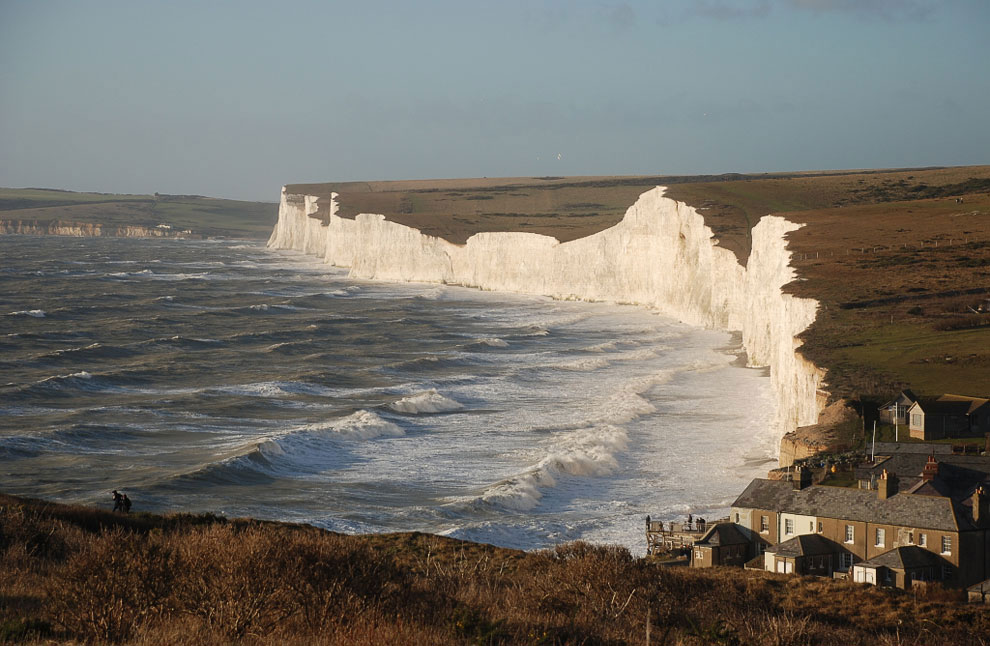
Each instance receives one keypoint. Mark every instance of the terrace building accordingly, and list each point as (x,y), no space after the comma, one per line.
(885,537)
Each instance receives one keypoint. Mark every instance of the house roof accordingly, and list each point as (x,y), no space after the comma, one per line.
(908,557)
(806,545)
(905,395)
(969,467)
(973,402)
(982,586)
(902,509)
(722,534)
(958,405)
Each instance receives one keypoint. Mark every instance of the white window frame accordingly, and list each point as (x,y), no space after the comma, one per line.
(850,534)
(923,540)
(881,536)
(946,545)
(764,524)
(788,526)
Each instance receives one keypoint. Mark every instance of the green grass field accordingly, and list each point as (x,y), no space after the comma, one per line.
(205,216)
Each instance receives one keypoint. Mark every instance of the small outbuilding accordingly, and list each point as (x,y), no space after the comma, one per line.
(722,544)
(897,568)
(805,554)
(979,592)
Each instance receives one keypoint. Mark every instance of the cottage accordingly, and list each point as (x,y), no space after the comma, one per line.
(896,410)
(722,544)
(856,526)
(949,416)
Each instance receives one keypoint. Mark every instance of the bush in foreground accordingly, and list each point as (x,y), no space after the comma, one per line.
(76,575)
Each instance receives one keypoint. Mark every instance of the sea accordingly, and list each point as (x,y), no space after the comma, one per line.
(225,377)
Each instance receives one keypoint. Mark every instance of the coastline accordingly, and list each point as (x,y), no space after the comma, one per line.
(661,255)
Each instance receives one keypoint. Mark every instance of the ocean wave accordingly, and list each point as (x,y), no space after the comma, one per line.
(491,342)
(583,365)
(38,314)
(93,350)
(362,425)
(275,389)
(427,402)
(588,452)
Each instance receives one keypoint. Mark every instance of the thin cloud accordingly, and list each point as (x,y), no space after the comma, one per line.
(620,16)
(731,10)
(888,9)
(721,10)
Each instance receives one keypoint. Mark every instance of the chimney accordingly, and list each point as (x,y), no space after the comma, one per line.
(930,470)
(981,507)
(801,478)
(886,485)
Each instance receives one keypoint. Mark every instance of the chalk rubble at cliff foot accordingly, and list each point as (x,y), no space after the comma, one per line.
(660,255)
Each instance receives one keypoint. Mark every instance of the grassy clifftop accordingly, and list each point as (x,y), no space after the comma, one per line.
(73,574)
(899,259)
(205,216)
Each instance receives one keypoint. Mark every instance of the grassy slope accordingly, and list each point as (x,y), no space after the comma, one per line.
(203,215)
(71,574)
(884,311)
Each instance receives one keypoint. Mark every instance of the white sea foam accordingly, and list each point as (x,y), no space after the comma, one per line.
(38,314)
(588,452)
(362,425)
(427,402)
(493,342)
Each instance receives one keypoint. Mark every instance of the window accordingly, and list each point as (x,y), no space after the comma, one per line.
(881,537)
(946,572)
(850,534)
(845,560)
(788,526)
(910,538)
(923,540)
(811,525)
(820,527)
(764,524)
(946,545)
(737,518)
(916,420)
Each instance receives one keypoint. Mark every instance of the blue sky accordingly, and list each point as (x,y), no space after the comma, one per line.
(234,99)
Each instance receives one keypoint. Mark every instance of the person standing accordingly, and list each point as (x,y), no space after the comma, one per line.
(118,501)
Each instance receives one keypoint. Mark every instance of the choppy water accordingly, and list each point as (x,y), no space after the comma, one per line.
(221,376)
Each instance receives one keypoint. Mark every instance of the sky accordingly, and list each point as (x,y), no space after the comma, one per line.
(235,99)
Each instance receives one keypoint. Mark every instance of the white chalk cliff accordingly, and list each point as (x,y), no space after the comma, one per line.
(661,255)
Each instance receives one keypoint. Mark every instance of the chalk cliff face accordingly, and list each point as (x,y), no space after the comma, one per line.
(661,255)
(87,230)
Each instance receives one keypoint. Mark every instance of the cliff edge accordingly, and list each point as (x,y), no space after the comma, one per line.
(660,255)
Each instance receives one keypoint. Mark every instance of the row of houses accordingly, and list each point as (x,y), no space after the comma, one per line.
(935,418)
(902,526)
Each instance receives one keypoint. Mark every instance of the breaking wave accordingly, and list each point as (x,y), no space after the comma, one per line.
(430,401)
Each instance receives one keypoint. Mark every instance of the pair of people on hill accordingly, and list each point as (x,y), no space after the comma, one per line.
(121,502)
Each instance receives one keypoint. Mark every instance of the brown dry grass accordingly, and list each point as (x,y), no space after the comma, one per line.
(76,575)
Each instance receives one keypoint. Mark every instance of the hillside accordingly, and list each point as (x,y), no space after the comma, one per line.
(74,574)
(898,259)
(204,216)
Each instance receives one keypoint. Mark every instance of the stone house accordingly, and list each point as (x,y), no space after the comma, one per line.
(949,416)
(722,544)
(856,526)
